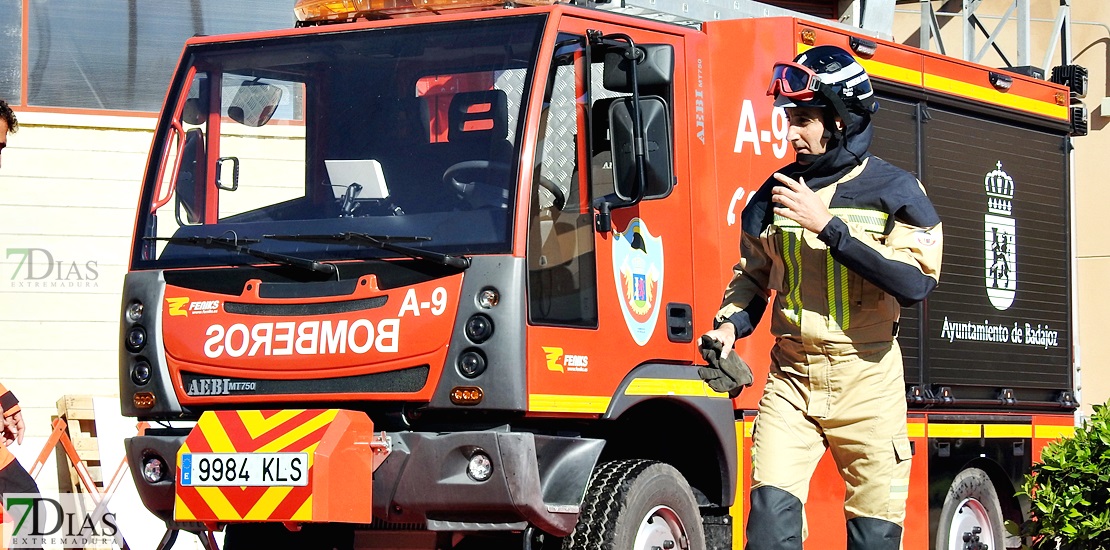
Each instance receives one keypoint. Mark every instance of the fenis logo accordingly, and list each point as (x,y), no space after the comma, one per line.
(183,307)
(1000,239)
(560,362)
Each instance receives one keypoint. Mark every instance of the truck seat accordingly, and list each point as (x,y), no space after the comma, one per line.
(478,125)
(477,134)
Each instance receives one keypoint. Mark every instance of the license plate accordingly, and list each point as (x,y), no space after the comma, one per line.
(244,469)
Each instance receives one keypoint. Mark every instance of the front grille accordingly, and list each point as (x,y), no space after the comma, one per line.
(408,380)
(292,310)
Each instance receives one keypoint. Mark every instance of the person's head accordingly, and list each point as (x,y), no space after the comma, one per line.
(823,90)
(809,131)
(8,124)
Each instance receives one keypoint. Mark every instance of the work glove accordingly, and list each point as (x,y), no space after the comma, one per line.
(729,375)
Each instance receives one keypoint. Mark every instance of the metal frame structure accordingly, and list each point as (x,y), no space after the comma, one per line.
(1016,17)
(876,17)
(693,12)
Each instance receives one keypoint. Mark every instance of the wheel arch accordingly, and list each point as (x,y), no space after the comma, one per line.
(698,428)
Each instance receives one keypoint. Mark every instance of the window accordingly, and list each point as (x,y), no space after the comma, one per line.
(341,133)
(561,261)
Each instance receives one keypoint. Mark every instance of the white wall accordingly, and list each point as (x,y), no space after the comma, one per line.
(69,185)
(68,188)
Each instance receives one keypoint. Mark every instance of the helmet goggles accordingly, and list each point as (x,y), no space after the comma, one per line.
(794,81)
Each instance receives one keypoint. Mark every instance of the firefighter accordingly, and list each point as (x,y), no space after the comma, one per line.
(13,478)
(844,239)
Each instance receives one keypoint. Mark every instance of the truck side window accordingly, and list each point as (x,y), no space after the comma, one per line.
(561,263)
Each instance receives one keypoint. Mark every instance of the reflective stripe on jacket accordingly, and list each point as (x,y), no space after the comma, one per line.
(845,285)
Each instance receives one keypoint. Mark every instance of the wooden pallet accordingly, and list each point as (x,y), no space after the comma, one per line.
(77,411)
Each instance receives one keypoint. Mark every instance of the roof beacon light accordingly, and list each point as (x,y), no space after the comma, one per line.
(337,11)
(323,10)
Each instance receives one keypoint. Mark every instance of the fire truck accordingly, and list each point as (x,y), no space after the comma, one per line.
(429,273)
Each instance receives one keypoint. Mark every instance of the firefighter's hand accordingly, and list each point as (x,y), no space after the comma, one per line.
(725,334)
(14,428)
(728,375)
(794,200)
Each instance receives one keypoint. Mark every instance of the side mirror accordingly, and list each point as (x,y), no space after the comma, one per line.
(654,68)
(658,157)
(254,103)
(191,179)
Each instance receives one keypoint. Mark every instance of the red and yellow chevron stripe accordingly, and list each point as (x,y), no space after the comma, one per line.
(340,466)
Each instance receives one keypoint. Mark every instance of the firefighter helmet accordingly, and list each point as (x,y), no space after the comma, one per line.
(823,77)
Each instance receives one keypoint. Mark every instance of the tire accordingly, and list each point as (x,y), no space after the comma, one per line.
(637,505)
(972,502)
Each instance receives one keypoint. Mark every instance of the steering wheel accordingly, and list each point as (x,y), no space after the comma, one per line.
(462,176)
(558,197)
(465,176)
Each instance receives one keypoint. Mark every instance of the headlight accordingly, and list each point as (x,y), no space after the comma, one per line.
(480,467)
(140,373)
(154,469)
(136,338)
(472,363)
(135,312)
(488,298)
(479,328)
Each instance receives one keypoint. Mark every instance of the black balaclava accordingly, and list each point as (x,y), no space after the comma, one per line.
(845,150)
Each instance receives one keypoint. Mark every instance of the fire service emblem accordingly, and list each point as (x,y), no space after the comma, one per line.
(638,274)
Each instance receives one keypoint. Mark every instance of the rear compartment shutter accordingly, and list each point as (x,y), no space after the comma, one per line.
(964,151)
(1001,191)
(896,141)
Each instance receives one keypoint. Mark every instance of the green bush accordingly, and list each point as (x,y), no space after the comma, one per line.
(1069,490)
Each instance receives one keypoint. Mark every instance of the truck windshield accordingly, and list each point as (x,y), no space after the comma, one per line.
(390,131)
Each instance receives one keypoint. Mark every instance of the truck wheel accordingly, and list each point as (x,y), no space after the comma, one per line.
(637,505)
(971,518)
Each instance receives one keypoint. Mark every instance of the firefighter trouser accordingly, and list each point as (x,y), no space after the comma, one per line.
(851,401)
(14,479)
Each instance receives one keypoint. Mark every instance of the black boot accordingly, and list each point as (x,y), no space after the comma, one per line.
(775,522)
(873,534)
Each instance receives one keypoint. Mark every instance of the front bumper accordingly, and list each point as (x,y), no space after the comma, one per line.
(537,480)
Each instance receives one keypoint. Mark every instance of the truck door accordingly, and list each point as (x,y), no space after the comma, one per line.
(599,302)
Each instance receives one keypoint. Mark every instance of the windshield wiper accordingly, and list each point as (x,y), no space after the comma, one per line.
(384,242)
(237,245)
